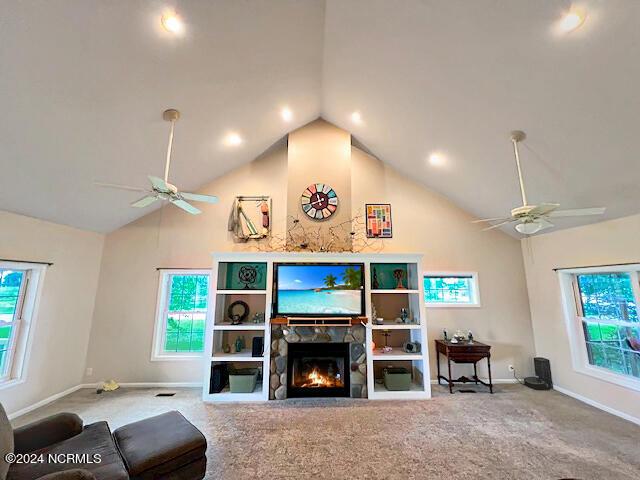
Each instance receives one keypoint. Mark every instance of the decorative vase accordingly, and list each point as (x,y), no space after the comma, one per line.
(374,283)
(398,274)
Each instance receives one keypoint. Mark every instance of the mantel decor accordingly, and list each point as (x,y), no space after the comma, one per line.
(319,201)
(345,237)
(250,218)
(379,220)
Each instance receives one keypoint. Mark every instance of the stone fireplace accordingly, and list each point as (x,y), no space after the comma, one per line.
(317,361)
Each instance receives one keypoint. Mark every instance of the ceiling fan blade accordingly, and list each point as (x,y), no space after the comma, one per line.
(119,187)
(196,197)
(543,209)
(187,207)
(158,183)
(502,219)
(144,201)
(577,212)
(497,225)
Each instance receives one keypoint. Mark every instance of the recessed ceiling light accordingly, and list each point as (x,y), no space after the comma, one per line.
(286,114)
(356,118)
(437,159)
(233,139)
(172,23)
(572,19)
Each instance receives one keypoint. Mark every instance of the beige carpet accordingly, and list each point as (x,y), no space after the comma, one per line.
(515,434)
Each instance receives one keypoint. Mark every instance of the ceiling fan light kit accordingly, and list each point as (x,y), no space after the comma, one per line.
(531,219)
(161,189)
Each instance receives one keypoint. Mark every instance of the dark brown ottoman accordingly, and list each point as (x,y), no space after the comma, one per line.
(167,446)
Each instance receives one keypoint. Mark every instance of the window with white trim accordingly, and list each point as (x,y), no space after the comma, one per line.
(182,313)
(607,309)
(18,297)
(451,289)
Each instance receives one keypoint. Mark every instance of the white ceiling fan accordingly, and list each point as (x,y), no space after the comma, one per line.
(162,189)
(531,219)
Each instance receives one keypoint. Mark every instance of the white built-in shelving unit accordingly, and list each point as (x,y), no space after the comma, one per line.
(387,302)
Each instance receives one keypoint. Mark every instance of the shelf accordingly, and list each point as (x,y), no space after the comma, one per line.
(395,354)
(397,326)
(242,326)
(381,393)
(243,356)
(395,290)
(241,292)
(226,396)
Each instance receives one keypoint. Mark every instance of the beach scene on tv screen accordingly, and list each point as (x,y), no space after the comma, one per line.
(320,289)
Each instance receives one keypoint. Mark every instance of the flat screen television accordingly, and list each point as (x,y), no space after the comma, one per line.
(319,289)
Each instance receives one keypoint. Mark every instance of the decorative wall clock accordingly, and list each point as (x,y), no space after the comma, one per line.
(319,201)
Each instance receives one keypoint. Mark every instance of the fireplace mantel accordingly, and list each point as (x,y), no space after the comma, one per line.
(367,360)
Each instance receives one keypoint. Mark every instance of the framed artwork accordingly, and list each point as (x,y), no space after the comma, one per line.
(379,220)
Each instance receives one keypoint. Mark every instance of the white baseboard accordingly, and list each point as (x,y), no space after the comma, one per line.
(161,384)
(69,391)
(496,381)
(42,403)
(598,405)
(148,385)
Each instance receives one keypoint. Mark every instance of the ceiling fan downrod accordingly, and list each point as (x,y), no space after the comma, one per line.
(172,116)
(516,137)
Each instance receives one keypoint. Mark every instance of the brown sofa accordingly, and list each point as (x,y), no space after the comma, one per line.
(166,446)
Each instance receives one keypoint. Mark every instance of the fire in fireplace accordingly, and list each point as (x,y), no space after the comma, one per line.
(318,370)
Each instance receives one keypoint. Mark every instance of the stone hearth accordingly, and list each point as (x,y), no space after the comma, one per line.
(282,336)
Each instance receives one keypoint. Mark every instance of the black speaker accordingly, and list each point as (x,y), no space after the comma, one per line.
(543,370)
(257,346)
(219,378)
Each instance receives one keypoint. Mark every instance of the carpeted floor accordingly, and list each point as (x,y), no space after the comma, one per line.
(515,434)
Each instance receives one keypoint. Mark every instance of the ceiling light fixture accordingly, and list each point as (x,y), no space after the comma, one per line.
(528,228)
(233,140)
(287,114)
(356,118)
(172,23)
(572,19)
(437,159)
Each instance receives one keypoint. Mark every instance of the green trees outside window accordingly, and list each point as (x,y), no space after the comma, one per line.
(448,289)
(10,292)
(610,321)
(186,313)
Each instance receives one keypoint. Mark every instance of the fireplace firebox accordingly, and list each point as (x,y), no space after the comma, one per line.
(318,370)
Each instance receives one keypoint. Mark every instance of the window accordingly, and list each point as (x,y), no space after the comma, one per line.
(18,294)
(182,312)
(451,289)
(610,321)
(604,329)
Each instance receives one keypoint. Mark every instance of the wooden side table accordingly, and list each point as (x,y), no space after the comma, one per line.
(463,352)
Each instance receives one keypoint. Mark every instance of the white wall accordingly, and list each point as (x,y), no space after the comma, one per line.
(121,337)
(63,322)
(605,243)
(428,223)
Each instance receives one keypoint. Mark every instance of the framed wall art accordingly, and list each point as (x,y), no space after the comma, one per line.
(378,217)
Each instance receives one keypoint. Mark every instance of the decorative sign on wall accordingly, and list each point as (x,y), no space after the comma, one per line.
(319,201)
(250,218)
(379,220)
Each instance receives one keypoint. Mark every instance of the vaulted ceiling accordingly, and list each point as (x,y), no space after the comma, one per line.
(83,85)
